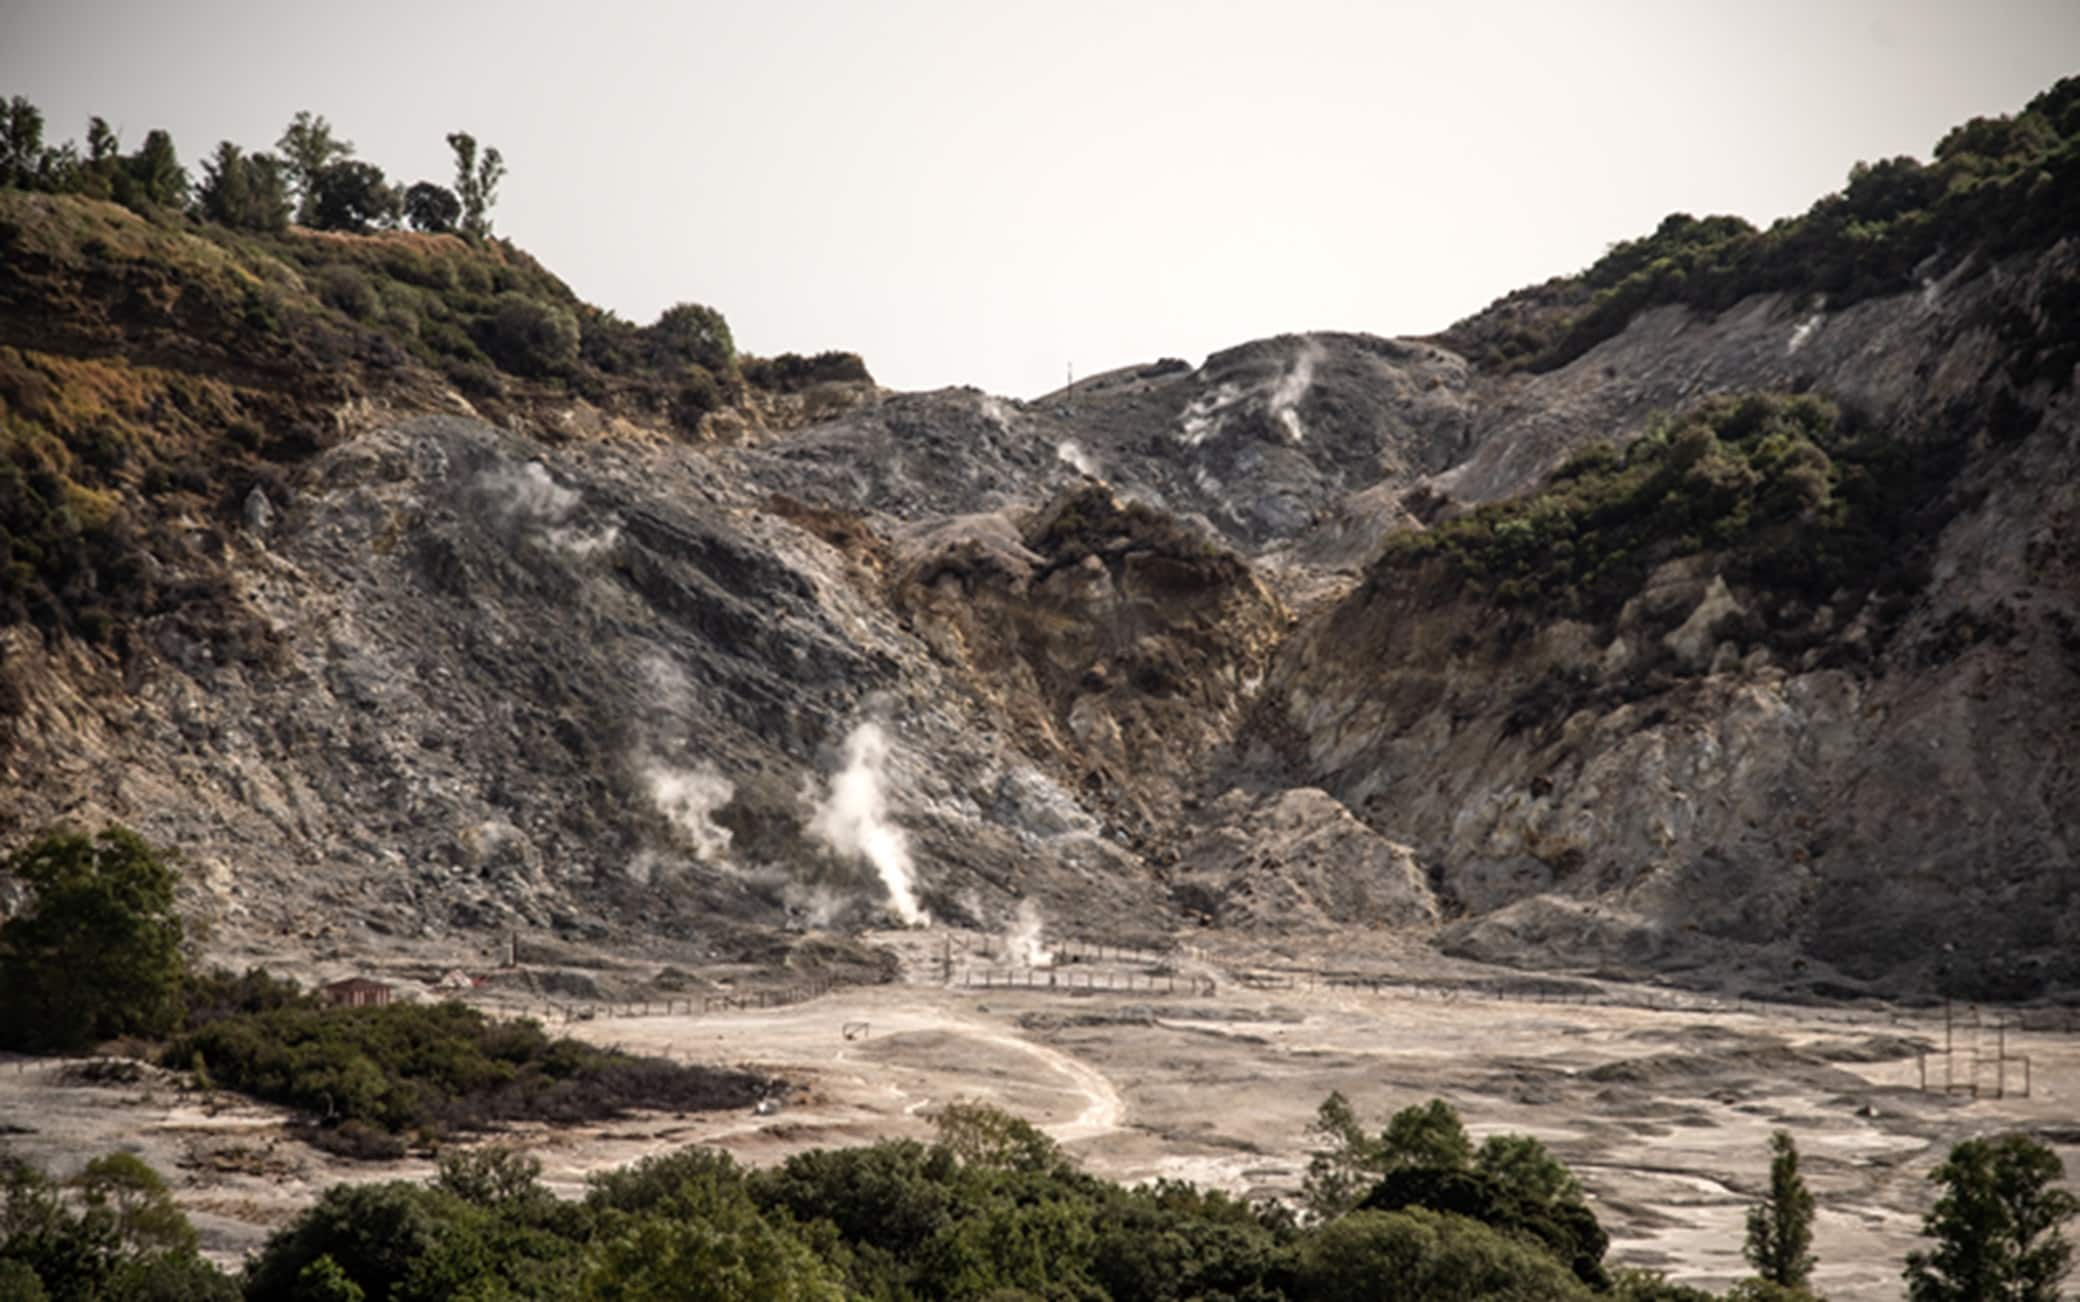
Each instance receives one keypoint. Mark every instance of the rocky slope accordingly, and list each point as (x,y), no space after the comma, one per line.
(1154,650)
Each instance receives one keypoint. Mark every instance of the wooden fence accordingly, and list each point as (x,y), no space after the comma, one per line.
(734,1001)
(1078,981)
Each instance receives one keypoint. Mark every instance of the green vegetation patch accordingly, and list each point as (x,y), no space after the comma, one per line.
(436,1068)
(1995,187)
(194,337)
(1796,500)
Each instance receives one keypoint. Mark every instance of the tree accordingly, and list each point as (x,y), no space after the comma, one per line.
(1425,1256)
(476,182)
(123,1240)
(1347,1164)
(985,1136)
(102,143)
(1524,1167)
(67,1253)
(1780,1228)
(153,175)
(309,148)
(138,1206)
(375,1235)
(726,1253)
(267,184)
(1996,1227)
(351,196)
(432,208)
(530,337)
(246,191)
(97,950)
(96,176)
(693,332)
(21,143)
(1425,1134)
(222,196)
(1351,1162)
(492,1176)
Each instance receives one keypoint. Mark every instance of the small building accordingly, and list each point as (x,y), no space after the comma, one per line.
(356,992)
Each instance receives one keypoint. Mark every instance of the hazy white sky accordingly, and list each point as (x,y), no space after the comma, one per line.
(968,191)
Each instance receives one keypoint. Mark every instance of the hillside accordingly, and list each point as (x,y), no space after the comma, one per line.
(1716,610)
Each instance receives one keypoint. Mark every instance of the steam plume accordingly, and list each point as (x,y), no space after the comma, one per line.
(689,799)
(1202,416)
(1802,332)
(1072,452)
(1022,937)
(1292,387)
(852,819)
(533,498)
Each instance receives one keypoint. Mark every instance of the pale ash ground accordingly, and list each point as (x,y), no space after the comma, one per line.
(1665,1114)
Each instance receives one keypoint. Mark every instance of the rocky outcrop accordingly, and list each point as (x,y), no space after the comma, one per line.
(1888,798)
(1297,861)
(1135,653)
(1116,644)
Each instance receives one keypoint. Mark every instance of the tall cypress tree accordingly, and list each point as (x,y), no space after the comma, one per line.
(1780,1228)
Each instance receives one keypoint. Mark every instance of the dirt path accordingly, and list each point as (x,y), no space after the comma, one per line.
(1104,1111)
(1664,1113)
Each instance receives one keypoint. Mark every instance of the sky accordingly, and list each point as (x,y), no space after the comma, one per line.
(974,192)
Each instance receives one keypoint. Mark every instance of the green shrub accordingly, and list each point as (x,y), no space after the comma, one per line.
(698,395)
(1426,1256)
(438,1068)
(529,337)
(791,372)
(346,289)
(692,332)
(96,950)
(1799,500)
(1998,1229)
(113,1232)
(1997,186)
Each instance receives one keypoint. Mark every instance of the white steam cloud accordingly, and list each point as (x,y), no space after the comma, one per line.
(852,819)
(1802,332)
(530,491)
(1073,453)
(1202,416)
(1022,938)
(532,496)
(688,798)
(1292,388)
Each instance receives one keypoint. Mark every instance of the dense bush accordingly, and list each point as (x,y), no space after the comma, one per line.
(347,289)
(353,196)
(530,337)
(1419,1255)
(1999,1226)
(1798,499)
(1422,1158)
(95,951)
(268,328)
(699,393)
(791,372)
(693,332)
(111,1234)
(990,1210)
(1996,186)
(401,1067)
(432,208)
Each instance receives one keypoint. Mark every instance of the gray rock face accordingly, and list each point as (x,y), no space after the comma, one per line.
(1904,813)
(1298,860)
(599,687)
